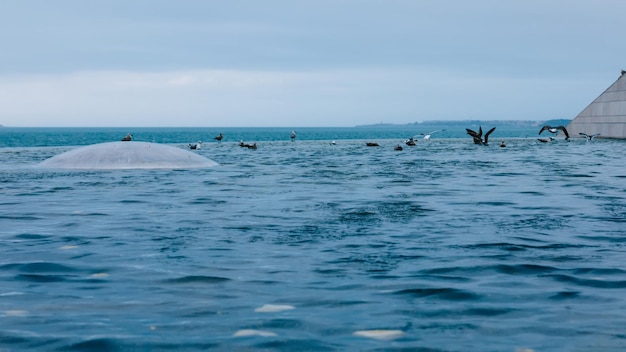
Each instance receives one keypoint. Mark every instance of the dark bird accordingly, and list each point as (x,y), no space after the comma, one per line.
(219,137)
(128,138)
(371,144)
(247,145)
(196,146)
(410,142)
(293,135)
(554,130)
(397,147)
(623,72)
(589,137)
(545,140)
(502,145)
(478,136)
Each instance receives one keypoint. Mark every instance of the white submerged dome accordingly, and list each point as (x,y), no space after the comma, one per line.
(127,155)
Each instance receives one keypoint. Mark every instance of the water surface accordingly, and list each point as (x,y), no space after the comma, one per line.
(452,246)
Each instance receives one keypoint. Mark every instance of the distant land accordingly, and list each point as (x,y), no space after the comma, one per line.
(444,123)
(515,123)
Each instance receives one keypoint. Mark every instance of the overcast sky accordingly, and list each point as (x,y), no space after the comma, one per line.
(303,63)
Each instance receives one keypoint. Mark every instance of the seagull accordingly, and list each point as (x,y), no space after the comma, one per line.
(589,137)
(333,143)
(128,138)
(478,136)
(397,147)
(410,142)
(427,135)
(502,145)
(293,135)
(196,146)
(554,130)
(219,137)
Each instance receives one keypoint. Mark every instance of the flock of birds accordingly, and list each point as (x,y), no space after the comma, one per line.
(477,136)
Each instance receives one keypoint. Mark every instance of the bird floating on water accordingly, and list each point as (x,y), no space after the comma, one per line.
(410,142)
(371,144)
(554,130)
(478,139)
(128,138)
(502,144)
(589,137)
(397,147)
(247,145)
(196,145)
(293,135)
(219,137)
(545,140)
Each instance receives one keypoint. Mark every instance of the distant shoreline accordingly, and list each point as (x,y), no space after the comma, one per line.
(516,123)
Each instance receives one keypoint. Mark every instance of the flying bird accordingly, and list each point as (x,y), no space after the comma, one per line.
(427,135)
(478,136)
(589,137)
(554,130)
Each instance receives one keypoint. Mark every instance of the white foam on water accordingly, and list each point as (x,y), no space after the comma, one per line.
(252,332)
(380,334)
(271,308)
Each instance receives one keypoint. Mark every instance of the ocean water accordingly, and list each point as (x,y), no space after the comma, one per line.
(310,246)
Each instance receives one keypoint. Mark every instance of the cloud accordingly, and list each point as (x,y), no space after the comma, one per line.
(339,97)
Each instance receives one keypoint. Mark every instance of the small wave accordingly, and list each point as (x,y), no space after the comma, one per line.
(32,236)
(201,279)
(524,269)
(20,217)
(450,294)
(38,267)
(597,283)
(42,278)
(512,247)
(565,295)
